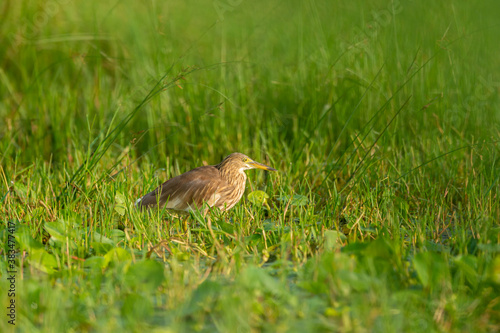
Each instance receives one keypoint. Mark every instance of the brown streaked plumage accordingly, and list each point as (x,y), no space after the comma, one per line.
(220,186)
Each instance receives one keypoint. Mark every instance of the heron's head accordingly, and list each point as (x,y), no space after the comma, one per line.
(241,162)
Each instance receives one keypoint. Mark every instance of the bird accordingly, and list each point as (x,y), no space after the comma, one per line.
(221,185)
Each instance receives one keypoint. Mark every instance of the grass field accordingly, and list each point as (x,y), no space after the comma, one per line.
(382,117)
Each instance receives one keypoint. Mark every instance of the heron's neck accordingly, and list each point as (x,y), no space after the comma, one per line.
(236,177)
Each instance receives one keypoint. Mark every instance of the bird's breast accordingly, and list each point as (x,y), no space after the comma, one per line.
(233,192)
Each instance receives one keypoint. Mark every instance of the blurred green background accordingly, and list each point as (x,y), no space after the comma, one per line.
(271,77)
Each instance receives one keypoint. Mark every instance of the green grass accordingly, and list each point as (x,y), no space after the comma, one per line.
(382,118)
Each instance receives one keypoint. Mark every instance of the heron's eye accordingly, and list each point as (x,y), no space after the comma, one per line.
(244,159)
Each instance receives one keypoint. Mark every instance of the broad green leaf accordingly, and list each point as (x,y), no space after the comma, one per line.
(226,227)
(421,267)
(101,248)
(258,198)
(295,200)
(102,239)
(379,248)
(432,246)
(355,248)
(26,242)
(333,239)
(63,233)
(147,274)
(101,244)
(42,260)
(115,255)
(95,262)
(120,203)
(117,235)
(432,269)
(57,230)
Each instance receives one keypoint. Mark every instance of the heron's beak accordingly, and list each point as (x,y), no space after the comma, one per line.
(258,165)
